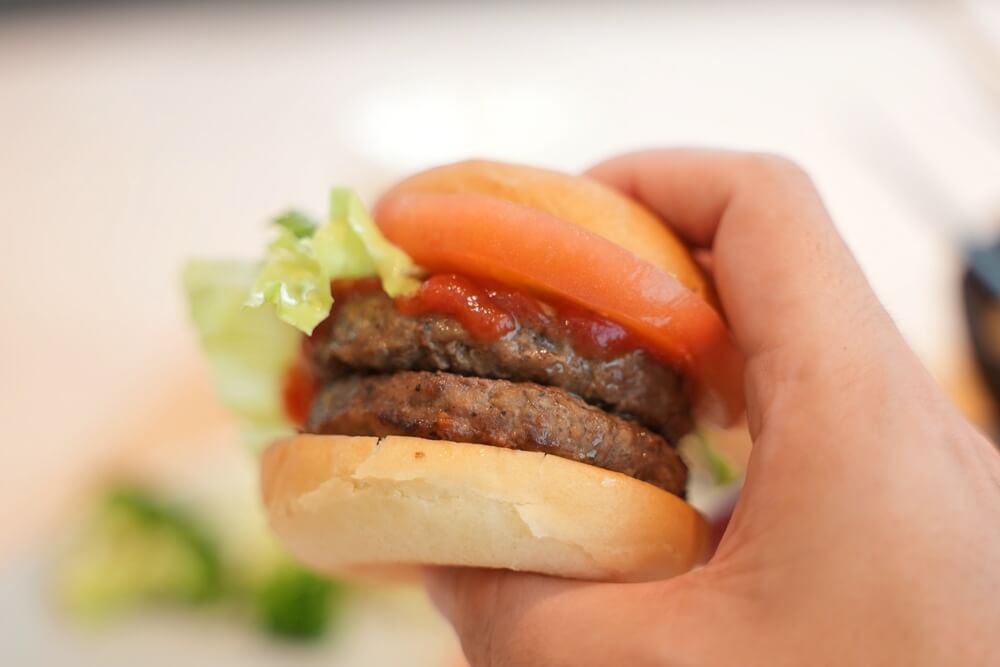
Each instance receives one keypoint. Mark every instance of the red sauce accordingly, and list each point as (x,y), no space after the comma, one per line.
(473,305)
(490,312)
(487,311)
(298,392)
(595,336)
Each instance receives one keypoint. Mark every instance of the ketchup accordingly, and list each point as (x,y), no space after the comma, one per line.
(487,311)
(490,312)
(595,336)
(298,391)
(474,306)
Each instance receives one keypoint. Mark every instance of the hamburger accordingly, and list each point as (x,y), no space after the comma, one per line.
(492,370)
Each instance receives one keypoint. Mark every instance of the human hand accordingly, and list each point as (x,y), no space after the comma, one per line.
(867,530)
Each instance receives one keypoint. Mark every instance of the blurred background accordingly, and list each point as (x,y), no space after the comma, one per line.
(136,135)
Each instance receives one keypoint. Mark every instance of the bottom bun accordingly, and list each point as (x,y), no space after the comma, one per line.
(365,505)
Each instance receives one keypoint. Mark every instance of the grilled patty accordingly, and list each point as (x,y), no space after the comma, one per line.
(367,334)
(516,415)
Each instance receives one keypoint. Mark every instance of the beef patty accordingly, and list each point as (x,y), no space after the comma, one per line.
(367,334)
(518,415)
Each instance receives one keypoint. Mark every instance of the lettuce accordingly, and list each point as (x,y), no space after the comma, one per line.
(720,469)
(251,347)
(305,257)
(293,280)
(392,265)
(297,223)
(248,350)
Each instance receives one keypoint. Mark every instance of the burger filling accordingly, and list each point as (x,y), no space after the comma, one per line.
(467,362)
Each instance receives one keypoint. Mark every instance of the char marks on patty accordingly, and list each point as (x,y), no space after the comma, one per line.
(519,415)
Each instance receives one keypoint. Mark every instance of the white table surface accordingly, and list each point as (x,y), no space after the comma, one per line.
(131,139)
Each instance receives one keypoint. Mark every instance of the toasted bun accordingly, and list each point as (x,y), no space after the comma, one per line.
(348,504)
(577,199)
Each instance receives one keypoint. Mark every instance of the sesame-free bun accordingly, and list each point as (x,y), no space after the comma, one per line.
(576,199)
(352,504)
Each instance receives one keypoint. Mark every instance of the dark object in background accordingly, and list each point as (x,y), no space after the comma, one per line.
(981,297)
(907,172)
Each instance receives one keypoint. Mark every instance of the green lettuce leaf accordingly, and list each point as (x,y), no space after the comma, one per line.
(392,265)
(294,281)
(304,258)
(297,223)
(249,350)
(250,347)
(722,472)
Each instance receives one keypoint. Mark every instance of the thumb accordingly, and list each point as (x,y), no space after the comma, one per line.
(510,618)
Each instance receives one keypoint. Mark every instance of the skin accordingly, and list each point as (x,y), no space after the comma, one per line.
(868,531)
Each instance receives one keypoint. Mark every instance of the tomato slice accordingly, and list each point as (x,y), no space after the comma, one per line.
(487,237)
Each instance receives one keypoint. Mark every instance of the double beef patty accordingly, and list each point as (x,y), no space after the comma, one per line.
(368,334)
(516,415)
(366,352)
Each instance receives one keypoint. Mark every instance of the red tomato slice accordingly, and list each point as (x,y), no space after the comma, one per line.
(486,237)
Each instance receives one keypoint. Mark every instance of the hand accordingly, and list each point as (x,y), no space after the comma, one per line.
(868,530)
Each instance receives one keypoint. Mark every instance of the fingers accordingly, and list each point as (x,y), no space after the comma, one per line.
(797,302)
(776,254)
(508,618)
(835,398)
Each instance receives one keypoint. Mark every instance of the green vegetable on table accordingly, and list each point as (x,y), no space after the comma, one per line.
(296,603)
(139,551)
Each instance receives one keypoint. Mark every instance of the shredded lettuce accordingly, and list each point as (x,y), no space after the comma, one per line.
(392,265)
(297,223)
(249,350)
(722,472)
(304,258)
(705,458)
(293,280)
(251,347)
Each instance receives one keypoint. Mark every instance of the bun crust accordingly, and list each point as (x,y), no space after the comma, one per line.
(346,504)
(577,199)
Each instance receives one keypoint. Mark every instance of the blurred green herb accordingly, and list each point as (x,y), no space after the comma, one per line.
(296,603)
(139,550)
